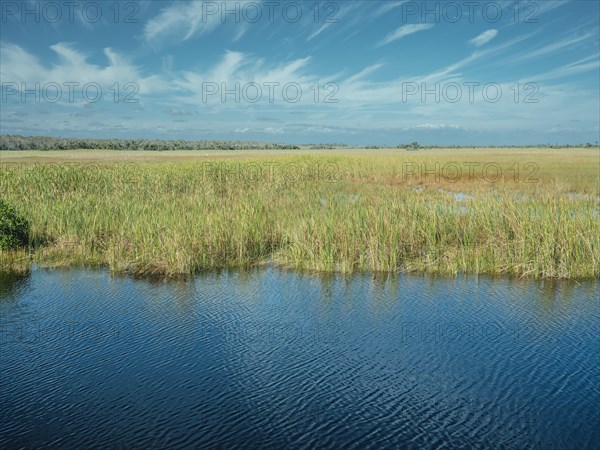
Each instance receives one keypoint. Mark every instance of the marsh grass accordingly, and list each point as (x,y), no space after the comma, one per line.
(177,218)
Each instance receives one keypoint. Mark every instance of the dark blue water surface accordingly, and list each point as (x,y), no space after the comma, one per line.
(283,360)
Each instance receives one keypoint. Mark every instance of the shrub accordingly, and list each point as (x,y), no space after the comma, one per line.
(14,229)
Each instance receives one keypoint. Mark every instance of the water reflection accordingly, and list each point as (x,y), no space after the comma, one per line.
(11,283)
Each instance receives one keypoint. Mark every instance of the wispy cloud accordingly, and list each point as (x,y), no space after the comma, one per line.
(242,30)
(345,21)
(484,38)
(436,126)
(363,73)
(403,31)
(548,6)
(178,21)
(236,68)
(73,65)
(587,64)
(181,21)
(314,34)
(450,71)
(388,6)
(552,48)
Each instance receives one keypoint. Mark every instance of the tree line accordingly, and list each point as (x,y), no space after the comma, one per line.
(17,142)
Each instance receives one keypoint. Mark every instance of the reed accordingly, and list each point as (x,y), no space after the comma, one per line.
(323,213)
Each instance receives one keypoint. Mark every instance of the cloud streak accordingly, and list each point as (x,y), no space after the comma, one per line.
(484,38)
(553,48)
(183,20)
(403,31)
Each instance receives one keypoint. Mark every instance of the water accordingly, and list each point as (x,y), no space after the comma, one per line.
(278,359)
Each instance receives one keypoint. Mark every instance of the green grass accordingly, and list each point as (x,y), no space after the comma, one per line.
(178,217)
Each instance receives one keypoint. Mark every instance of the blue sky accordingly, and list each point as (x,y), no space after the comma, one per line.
(372,72)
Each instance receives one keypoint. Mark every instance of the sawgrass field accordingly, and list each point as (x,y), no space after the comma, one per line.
(519,212)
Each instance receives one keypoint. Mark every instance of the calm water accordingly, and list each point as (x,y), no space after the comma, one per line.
(278,359)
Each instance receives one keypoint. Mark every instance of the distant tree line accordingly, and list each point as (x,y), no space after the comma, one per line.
(411,146)
(416,146)
(323,146)
(16,142)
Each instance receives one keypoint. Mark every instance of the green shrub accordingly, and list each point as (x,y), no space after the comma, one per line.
(14,229)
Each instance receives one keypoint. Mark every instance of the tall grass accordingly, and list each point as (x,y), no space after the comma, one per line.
(172,219)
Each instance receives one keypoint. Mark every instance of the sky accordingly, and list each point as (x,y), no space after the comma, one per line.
(352,72)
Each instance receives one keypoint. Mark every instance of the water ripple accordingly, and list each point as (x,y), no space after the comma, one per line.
(282,360)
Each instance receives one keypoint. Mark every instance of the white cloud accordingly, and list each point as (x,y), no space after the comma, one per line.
(484,38)
(241,31)
(72,66)
(240,67)
(318,32)
(591,63)
(403,31)
(363,73)
(17,64)
(436,126)
(388,6)
(450,71)
(346,19)
(181,21)
(545,7)
(554,47)
(180,112)
(236,71)
(272,130)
